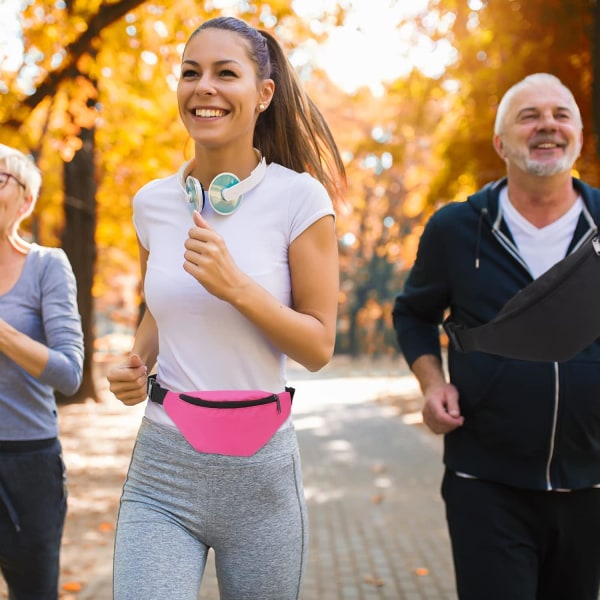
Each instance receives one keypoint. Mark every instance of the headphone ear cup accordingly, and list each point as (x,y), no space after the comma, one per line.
(215,194)
(195,194)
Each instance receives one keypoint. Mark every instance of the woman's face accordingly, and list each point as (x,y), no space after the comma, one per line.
(218,92)
(13,203)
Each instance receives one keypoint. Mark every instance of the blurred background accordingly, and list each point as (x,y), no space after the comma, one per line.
(409,88)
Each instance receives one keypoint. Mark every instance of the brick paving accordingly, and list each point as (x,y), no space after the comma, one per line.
(372,485)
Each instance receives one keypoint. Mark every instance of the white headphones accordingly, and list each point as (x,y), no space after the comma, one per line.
(225,190)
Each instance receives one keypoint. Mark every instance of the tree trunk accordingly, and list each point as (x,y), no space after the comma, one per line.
(596,76)
(79,243)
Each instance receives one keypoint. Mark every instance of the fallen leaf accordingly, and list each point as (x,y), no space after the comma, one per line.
(374,581)
(377,499)
(72,586)
(422,571)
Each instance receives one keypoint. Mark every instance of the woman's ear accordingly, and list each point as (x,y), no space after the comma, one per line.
(25,206)
(266,93)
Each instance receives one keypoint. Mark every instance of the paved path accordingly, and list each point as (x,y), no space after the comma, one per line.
(372,484)
(371,476)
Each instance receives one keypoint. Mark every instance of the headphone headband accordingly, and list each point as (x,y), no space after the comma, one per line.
(231,192)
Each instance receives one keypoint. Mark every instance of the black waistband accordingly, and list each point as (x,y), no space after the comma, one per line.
(26,445)
(157,393)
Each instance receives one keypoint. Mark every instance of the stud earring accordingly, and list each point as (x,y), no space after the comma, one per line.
(261,106)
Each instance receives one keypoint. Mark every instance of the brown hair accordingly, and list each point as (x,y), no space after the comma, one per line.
(291,131)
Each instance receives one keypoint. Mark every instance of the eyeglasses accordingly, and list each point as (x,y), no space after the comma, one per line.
(6,177)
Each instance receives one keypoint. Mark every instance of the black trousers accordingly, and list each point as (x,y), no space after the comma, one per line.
(33,503)
(513,544)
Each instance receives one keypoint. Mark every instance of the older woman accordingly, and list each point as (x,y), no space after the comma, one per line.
(41,350)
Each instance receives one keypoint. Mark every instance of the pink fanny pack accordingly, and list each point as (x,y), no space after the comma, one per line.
(230,422)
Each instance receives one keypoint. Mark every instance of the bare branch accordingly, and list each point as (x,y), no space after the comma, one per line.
(107,15)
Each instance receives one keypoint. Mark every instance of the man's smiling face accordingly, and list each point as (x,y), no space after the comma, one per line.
(541,133)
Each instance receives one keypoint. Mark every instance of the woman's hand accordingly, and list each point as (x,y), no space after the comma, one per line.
(128,381)
(208,260)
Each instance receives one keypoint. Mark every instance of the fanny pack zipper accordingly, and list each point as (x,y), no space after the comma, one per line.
(232,403)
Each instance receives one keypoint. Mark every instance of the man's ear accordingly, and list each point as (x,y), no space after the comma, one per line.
(499,146)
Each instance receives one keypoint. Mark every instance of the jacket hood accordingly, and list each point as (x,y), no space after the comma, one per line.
(488,198)
(486,203)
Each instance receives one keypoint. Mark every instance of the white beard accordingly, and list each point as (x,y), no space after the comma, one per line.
(543,168)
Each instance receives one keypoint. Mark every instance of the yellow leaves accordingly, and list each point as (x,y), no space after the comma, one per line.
(413,204)
(78,24)
(87,64)
(52,32)
(466,185)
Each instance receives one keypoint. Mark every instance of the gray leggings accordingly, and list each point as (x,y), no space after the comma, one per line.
(177,503)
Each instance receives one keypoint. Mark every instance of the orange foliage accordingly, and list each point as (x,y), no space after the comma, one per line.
(113,66)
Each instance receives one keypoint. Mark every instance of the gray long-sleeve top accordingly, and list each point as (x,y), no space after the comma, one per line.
(43,305)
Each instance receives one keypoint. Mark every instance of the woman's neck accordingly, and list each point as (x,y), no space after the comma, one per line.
(13,245)
(208,164)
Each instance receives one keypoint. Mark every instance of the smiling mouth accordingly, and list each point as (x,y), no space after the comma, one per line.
(547,145)
(207,113)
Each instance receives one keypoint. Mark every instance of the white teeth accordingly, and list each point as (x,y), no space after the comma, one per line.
(209,112)
(547,146)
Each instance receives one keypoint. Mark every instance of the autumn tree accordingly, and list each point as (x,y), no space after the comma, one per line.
(61,43)
(499,43)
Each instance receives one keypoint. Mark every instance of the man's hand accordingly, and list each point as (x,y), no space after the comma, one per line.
(441,412)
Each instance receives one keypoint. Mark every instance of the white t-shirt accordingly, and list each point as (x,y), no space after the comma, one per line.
(204,343)
(541,248)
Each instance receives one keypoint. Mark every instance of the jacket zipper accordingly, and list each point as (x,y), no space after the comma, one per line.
(232,403)
(554,425)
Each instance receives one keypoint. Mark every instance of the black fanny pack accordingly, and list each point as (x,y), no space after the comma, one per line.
(552,319)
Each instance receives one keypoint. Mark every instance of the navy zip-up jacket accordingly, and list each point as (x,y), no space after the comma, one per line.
(532,425)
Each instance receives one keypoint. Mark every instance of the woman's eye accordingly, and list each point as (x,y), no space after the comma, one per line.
(227,73)
(188,73)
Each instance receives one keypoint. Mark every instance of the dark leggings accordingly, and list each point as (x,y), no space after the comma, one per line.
(517,544)
(33,505)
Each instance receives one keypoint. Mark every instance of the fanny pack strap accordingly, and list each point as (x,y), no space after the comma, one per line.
(463,339)
(553,318)
(157,393)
